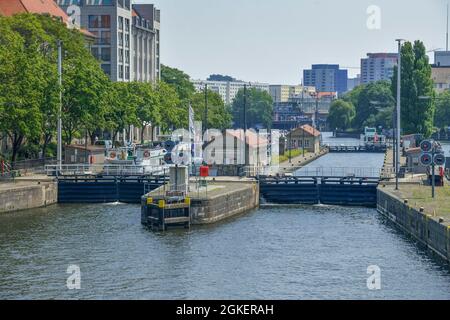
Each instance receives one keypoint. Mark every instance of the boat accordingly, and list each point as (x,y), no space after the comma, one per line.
(135,160)
(372,138)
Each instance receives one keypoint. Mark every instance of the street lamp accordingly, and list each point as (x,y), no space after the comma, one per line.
(59,138)
(399,77)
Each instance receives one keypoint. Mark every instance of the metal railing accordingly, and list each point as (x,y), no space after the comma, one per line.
(312,171)
(104,169)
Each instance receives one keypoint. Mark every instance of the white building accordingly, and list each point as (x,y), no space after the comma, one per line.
(228,89)
(282,93)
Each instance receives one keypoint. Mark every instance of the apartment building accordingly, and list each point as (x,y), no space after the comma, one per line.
(378,66)
(127,36)
(228,89)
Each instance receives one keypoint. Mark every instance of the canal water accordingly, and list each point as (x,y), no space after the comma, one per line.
(304,252)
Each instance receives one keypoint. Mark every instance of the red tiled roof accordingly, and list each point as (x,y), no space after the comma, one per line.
(11,7)
(310,130)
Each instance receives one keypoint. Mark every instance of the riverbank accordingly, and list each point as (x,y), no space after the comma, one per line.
(413,210)
(300,161)
(27,193)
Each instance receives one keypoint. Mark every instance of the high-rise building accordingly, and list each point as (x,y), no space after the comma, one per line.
(378,66)
(326,78)
(128,36)
(228,89)
(442,58)
(353,82)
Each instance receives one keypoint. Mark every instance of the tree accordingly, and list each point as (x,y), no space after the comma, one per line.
(442,116)
(173,113)
(372,101)
(259,108)
(179,80)
(417,94)
(147,105)
(219,115)
(341,114)
(122,111)
(85,88)
(23,68)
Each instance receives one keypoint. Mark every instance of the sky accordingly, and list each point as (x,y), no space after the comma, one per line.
(272,41)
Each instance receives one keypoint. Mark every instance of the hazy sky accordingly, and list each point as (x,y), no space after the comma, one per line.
(273,41)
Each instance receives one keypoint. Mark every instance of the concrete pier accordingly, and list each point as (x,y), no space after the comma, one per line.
(27,193)
(221,198)
(432,231)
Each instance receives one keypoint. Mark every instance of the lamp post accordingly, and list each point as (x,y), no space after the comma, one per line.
(59,138)
(245,126)
(206,107)
(398,127)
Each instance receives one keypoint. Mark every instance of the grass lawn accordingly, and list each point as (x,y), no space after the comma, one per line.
(420,196)
(294,153)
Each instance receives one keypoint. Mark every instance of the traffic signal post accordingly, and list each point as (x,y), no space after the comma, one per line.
(431,157)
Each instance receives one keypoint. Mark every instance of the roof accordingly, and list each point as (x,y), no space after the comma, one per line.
(309,130)
(253,139)
(414,150)
(12,7)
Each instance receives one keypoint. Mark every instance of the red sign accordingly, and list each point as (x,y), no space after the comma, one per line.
(204,171)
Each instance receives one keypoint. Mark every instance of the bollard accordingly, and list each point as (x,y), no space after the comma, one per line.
(441,219)
(405,201)
(421,209)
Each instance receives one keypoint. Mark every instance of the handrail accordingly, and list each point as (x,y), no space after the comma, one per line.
(106,169)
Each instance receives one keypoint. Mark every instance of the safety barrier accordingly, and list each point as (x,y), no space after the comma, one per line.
(82,189)
(319,190)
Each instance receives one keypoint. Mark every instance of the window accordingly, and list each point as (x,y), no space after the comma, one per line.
(127,41)
(127,73)
(120,71)
(100,21)
(107,69)
(127,56)
(106,54)
(120,23)
(120,55)
(121,39)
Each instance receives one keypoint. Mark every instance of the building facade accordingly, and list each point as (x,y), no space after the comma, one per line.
(305,137)
(378,66)
(353,82)
(282,93)
(442,58)
(228,89)
(326,78)
(128,36)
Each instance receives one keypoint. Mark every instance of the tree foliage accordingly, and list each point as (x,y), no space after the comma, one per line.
(341,114)
(372,103)
(259,108)
(417,93)
(219,115)
(442,116)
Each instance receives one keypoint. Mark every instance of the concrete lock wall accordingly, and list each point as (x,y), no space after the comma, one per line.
(422,227)
(225,205)
(28,197)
